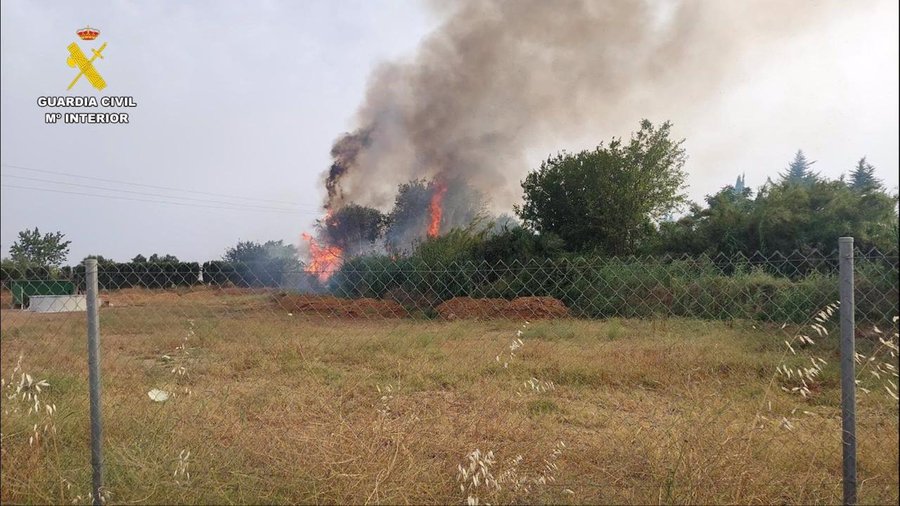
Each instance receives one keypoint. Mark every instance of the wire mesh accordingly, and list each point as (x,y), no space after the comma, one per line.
(635,379)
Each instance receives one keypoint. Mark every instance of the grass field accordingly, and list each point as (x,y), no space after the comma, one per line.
(279,408)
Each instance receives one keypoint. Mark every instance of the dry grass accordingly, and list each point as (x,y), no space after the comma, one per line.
(278,408)
(6,299)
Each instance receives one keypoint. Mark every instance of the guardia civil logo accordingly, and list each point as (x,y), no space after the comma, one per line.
(82,109)
(85,66)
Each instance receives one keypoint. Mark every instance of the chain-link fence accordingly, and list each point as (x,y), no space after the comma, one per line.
(639,379)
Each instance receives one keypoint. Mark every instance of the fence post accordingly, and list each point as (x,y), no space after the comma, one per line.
(848,369)
(93,327)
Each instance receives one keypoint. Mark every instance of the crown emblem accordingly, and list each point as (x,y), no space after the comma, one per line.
(88,33)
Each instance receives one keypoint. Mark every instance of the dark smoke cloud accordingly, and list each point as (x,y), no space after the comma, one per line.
(499,77)
(343,155)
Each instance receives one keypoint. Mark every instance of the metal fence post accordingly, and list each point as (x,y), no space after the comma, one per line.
(93,327)
(848,369)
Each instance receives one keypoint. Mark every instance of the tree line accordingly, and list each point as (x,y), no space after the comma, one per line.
(609,231)
(36,256)
(627,197)
(622,197)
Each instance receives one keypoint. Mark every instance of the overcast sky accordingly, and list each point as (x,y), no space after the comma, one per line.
(246,99)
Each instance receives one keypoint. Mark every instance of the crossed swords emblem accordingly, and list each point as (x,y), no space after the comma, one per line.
(85,66)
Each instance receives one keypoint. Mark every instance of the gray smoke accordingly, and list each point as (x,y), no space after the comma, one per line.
(500,77)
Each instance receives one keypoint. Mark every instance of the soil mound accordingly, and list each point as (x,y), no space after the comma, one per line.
(521,308)
(536,308)
(329,306)
(467,307)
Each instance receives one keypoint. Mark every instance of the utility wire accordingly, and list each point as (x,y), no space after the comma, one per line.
(237,205)
(151,201)
(119,181)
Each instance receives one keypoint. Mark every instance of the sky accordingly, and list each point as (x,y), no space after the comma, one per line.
(246,98)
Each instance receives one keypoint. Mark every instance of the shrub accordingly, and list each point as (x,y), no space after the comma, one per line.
(112,276)
(264,273)
(779,288)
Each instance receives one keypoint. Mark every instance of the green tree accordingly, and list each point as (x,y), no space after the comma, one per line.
(723,225)
(681,236)
(251,252)
(799,171)
(245,251)
(139,259)
(741,184)
(43,250)
(862,177)
(515,243)
(784,217)
(162,258)
(791,217)
(278,250)
(607,198)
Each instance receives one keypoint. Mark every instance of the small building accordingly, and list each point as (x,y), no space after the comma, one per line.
(23,289)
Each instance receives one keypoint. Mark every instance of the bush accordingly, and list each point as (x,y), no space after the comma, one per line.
(516,263)
(111,276)
(264,273)
(630,287)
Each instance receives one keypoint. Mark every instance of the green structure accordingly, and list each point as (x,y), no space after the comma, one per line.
(22,289)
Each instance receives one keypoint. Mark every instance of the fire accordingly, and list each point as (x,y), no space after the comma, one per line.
(436,209)
(323,260)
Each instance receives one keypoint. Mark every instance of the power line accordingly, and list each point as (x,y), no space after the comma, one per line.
(157,187)
(149,200)
(236,205)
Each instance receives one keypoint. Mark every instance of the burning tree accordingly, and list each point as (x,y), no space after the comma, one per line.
(425,208)
(408,219)
(422,209)
(324,260)
(353,228)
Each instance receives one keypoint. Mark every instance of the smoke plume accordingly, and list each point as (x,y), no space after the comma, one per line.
(500,77)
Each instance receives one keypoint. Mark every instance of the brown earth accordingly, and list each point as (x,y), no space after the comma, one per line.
(516,309)
(537,308)
(467,307)
(327,305)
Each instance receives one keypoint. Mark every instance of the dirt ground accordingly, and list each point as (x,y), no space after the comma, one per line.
(326,305)
(521,308)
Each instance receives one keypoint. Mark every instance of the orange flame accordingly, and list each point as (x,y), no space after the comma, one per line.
(435,210)
(323,260)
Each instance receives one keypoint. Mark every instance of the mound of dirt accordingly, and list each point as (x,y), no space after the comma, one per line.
(536,308)
(467,307)
(328,306)
(521,308)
